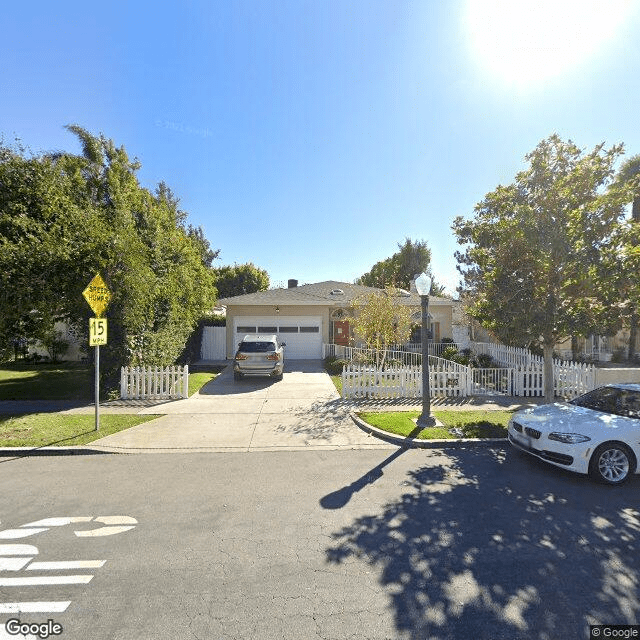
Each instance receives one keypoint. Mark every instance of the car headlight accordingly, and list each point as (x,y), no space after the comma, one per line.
(569,438)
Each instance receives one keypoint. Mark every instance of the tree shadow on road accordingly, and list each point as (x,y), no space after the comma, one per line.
(491,545)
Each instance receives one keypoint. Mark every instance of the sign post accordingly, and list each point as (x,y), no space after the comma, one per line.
(97,295)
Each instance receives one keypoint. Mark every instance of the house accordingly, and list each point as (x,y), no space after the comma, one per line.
(306,317)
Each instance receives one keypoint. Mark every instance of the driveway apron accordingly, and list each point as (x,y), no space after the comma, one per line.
(300,412)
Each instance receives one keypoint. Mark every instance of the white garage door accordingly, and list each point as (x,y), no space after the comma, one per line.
(302,334)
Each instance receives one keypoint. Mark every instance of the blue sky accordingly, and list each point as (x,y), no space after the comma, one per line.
(311,136)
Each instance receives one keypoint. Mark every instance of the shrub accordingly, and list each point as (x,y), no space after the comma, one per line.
(485,361)
(334,365)
(449,353)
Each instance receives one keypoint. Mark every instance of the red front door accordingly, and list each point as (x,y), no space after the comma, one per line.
(341,332)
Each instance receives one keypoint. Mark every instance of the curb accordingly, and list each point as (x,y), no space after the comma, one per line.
(417,443)
(27,452)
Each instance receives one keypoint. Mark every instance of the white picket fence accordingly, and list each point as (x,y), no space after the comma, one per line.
(450,379)
(154,382)
(506,356)
(410,354)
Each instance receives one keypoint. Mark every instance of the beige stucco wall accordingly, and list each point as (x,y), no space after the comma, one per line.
(442,313)
(269,310)
(617,374)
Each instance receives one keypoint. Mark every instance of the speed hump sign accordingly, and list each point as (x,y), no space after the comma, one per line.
(97,332)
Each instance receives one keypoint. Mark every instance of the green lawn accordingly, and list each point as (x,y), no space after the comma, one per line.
(63,381)
(56,429)
(199,379)
(66,381)
(471,424)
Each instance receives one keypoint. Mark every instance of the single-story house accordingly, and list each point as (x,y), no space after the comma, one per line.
(306,317)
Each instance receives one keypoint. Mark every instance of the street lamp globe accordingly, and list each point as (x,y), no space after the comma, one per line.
(423,284)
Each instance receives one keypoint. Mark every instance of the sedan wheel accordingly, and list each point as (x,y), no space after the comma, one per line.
(611,463)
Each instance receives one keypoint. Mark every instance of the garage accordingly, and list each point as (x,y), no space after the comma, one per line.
(302,334)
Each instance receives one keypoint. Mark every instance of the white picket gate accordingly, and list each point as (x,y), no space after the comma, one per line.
(154,382)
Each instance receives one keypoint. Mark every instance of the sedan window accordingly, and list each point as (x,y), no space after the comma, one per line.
(620,402)
(602,399)
(629,405)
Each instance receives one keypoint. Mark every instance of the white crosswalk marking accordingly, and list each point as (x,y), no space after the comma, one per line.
(44,580)
(34,607)
(18,550)
(10,534)
(103,531)
(19,557)
(13,564)
(62,565)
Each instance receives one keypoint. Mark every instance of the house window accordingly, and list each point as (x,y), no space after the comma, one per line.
(267,329)
(309,329)
(246,330)
(288,329)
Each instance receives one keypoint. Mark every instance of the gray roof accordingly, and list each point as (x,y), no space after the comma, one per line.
(319,294)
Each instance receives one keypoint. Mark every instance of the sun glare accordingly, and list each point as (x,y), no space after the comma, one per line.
(525,42)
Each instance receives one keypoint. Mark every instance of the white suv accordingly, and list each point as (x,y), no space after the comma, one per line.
(259,355)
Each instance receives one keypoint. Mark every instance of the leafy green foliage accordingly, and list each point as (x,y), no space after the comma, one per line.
(535,247)
(412,258)
(380,320)
(63,218)
(239,279)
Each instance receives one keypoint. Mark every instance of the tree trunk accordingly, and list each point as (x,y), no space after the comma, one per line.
(549,393)
(633,332)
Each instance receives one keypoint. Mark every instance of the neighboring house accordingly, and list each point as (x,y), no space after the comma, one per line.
(600,348)
(308,316)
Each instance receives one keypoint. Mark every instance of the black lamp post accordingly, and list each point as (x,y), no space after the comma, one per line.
(423,286)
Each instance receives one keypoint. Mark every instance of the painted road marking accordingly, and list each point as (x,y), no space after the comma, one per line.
(34,607)
(13,564)
(102,531)
(18,550)
(18,557)
(44,580)
(116,520)
(62,565)
(9,534)
(58,522)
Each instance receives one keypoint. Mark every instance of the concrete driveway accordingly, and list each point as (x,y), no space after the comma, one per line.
(303,411)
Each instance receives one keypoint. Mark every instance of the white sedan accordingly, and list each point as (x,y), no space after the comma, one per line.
(597,433)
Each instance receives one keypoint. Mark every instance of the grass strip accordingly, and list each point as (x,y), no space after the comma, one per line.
(199,379)
(64,381)
(56,429)
(468,424)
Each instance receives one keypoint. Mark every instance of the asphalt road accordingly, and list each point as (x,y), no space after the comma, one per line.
(366,544)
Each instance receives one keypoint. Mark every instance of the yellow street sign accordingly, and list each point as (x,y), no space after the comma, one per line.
(97,295)
(97,332)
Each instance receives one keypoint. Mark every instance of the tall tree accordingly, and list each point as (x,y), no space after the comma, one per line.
(533,248)
(412,258)
(65,217)
(239,279)
(629,175)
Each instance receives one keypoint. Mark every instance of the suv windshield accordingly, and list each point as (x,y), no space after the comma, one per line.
(257,347)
